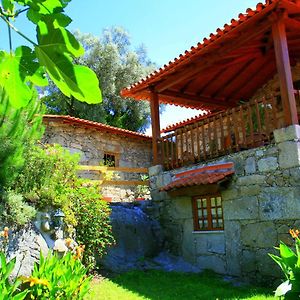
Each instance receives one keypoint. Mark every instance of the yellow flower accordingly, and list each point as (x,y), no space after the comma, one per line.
(34,281)
(79,252)
(5,232)
(294,233)
(68,242)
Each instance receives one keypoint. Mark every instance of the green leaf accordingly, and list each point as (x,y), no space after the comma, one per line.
(288,255)
(46,6)
(54,38)
(30,70)
(73,80)
(8,6)
(18,92)
(20,296)
(283,288)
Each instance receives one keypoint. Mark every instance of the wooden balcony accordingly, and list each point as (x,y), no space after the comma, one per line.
(244,127)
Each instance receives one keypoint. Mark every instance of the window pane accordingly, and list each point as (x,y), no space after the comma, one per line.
(214,212)
(213,201)
(199,203)
(204,203)
(214,223)
(201,225)
(200,214)
(219,212)
(219,201)
(205,224)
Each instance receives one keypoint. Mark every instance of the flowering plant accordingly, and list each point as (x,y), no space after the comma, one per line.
(289,262)
(57,277)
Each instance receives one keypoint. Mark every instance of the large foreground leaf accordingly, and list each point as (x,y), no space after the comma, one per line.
(18,92)
(29,69)
(73,80)
(53,38)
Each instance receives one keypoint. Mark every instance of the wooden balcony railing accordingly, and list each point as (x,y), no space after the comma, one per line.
(247,126)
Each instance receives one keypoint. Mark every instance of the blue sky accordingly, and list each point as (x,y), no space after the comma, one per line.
(166,27)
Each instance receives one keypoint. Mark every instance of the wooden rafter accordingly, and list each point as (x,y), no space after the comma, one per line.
(249,84)
(243,77)
(292,23)
(230,79)
(194,99)
(268,43)
(211,82)
(216,57)
(186,85)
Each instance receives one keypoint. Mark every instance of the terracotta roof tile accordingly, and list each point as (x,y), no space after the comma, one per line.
(202,176)
(95,125)
(183,59)
(192,120)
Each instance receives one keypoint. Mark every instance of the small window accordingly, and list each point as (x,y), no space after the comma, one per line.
(109,160)
(208,213)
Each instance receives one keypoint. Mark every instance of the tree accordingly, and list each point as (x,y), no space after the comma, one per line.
(18,129)
(53,52)
(116,65)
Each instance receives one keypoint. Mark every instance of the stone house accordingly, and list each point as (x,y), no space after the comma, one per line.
(128,154)
(226,186)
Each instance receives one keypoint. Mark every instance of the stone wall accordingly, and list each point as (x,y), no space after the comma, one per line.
(260,204)
(91,144)
(272,86)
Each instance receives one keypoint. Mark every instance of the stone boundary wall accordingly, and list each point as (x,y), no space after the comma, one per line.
(260,204)
(91,144)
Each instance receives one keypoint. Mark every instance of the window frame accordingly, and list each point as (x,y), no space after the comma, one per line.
(209,208)
(116,158)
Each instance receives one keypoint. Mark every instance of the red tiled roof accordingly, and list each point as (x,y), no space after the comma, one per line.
(202,176)
(229,34)
(189,121)
(95,125)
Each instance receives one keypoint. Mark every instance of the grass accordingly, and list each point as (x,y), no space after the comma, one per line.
(157,285)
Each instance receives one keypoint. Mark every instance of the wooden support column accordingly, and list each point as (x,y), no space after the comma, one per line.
(154,104)
(284,71)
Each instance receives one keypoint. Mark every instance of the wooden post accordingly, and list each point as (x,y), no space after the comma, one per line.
(154,105)
(284,71)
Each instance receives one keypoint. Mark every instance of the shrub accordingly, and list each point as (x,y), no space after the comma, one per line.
(15,210)
(93,225)
(58,278)
(49,179)
(289,262)
(47,176)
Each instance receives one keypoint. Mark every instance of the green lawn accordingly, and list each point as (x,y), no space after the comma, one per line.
(156,285)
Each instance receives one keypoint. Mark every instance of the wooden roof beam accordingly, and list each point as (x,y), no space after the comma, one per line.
(255,79)
(195,100)
(193,70)
(292,24)
(293,8)
(203,63)
(210,82)
(231,78)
